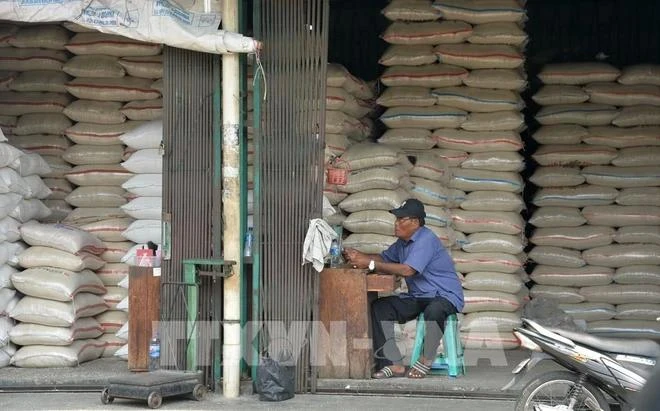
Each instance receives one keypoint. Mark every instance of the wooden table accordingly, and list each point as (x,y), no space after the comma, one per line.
(344,348)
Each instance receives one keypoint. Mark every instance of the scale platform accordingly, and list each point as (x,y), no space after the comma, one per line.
(153,386)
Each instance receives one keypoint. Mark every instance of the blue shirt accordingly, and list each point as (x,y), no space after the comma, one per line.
(435,274)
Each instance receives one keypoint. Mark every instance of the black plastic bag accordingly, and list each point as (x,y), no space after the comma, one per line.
(275,381)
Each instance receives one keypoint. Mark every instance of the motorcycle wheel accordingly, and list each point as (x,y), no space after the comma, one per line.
(552,389)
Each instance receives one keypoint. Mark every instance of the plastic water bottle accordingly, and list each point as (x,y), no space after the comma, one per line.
(154,353)
(249,237)
(335,254)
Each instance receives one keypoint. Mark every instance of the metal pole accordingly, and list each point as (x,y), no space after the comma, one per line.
(231,208)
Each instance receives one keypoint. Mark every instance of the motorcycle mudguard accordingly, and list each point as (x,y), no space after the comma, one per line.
(525,365)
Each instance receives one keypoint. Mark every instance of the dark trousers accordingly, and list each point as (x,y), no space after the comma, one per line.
(389,310)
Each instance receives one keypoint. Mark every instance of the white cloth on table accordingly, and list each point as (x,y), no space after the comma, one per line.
(317,242)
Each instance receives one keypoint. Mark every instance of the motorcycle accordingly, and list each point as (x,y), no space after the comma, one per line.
(594,365)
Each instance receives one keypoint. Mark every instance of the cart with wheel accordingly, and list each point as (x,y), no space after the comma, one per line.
(152,387)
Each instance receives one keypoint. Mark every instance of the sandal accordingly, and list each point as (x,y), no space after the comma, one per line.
(419,370)
(387,372)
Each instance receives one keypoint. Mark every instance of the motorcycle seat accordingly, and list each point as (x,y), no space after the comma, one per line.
(641,347)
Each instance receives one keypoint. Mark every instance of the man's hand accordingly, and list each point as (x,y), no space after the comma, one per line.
(356,258)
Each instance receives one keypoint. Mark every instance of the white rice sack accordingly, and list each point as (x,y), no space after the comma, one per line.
(37,256)
(449,158)
(9,154)
(57,283)
(81,154)
(479,56)
(578,196)
(61,237)
(493,201)
(150,67)
(639,196)
(638,234)
(487,221)
(42,123)
(369,243)
(428,166)
(623,137)
(12,182)
(9,252)
(492,281)
(57,165)
(408,55)
(640,74)
(477,100)
(500,340)
(86,215)
(8,202)
(551,95)
(498,121)
(562,295)
(623,95)
(557,176)
(147,135)
(97,196)
(148,185)
(408,10)
(495,161)
(620,294)
(478,12)
(639,115)
(112,273)
(625,329)
(143,110)
(637,156)
(338,76)
(637,311)
(434,193)
(40,80)
(332,193)
(37,334)
(41,144)
(638,274)
(428,75)
(338,122)
(484,180)
(572,277)
(584,114)
(370,221)
(6,271)
(578,73)
(100,112)
(99,175)
(372,200)
(623,177)
(6,325)
(557,217)
(112,321)
(437,216)
(489,242)
(99,66)
(112,344)
(496,79)
(620,255)
(107,230)
(31,58)
(112,89)
(473,142)
(59,210)
(490,321)
(110,44)
(577,238)
(115,250)
(47,36)
(367,155)
(143,231)
(114,295)
(447,236)
(496,262)
(45,356)
(589,311)
(476,301)
(8,300)
(9,230)
(100,134)
(388,178)
(556,256)
(145,208)
(122,352)
(36,187)
(618,215)
(32,209)
(560,134)
(16,104)
(428,32)
(145,161)
(31,164)
(408,138)
(498,33)
(423,117)
(406,96)
(57,313)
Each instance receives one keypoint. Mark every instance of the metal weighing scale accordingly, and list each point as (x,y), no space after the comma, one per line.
(153,386)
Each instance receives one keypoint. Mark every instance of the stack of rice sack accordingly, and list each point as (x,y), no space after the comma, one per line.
(597,245)
(33,97)
(349,105)
(453,77)
(56,325)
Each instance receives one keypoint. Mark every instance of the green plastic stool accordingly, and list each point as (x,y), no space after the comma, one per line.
(451,362)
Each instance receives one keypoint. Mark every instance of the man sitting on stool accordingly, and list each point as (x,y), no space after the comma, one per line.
(433,289)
